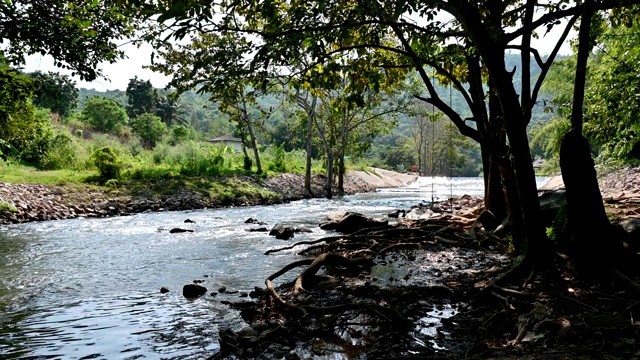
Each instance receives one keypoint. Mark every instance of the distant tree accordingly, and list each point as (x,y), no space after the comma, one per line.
(171,110)
(141,98)
(150,128)
(399,156)
(104,114)
(55,91)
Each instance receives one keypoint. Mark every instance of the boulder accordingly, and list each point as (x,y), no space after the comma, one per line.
(352,222)
(164,290)
(631,227)
(550,204)
(189,221)
(282,232)
(254,221)
(193,291)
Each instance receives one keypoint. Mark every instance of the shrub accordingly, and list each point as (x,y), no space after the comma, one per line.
(150,128)
(104,114)
(60,154)
(179,134)
(107,162)
(247,163)
(278,163)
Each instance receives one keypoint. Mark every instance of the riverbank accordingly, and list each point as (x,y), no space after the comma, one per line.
(35,202)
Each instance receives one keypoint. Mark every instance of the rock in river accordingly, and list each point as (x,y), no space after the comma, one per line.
(193,290)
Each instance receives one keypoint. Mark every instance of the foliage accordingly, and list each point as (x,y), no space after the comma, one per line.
(107,162)
(547,140)
(179,134)
(79,34)
(142,98)
(150,128)
(15,90)
(171,110)
(6,207)
(278,164)
(104,114)
(55,91)
(612,100)
(61,153)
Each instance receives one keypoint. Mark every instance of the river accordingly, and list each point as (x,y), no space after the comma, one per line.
(90,288)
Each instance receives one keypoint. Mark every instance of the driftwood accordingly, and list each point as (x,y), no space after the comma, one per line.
(314,265)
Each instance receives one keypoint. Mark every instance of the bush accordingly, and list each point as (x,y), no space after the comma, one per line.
(178,134)
(278,163)
(107,162)
(60,153)
(104,114)
(150,128)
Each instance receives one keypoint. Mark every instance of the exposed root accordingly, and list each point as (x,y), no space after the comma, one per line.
(627,280)
(310,242)
(323,260)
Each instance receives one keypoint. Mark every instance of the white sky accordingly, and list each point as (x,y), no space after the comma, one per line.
(119,74)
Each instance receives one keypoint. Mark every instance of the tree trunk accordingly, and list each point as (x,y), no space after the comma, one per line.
(254,146)
(341,170)
(587,224)
(329,186)
(307,173)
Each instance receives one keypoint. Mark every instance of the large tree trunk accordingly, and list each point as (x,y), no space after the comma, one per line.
(589,240)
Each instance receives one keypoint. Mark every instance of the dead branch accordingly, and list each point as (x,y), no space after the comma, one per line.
(310,242)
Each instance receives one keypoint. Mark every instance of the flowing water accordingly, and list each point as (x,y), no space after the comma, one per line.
(90,288)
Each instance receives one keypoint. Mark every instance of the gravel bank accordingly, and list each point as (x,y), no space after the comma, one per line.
(34,202)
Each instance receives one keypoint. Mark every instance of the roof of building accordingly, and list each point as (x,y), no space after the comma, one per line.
(224,138)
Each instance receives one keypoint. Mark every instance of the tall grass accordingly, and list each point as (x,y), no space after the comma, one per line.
(69,158)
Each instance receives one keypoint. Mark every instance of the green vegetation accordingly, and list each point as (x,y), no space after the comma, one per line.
(4,207)
(107,162)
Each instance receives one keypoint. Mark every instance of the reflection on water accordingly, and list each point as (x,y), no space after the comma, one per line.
(89,288)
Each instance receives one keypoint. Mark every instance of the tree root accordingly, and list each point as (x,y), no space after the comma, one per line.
(311,242)
(627,280)
(314,266)
(323,260)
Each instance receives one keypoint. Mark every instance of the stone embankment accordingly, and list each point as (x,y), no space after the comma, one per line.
(42,203)
(30,202)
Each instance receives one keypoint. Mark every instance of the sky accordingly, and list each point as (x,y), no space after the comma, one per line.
(119,74)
